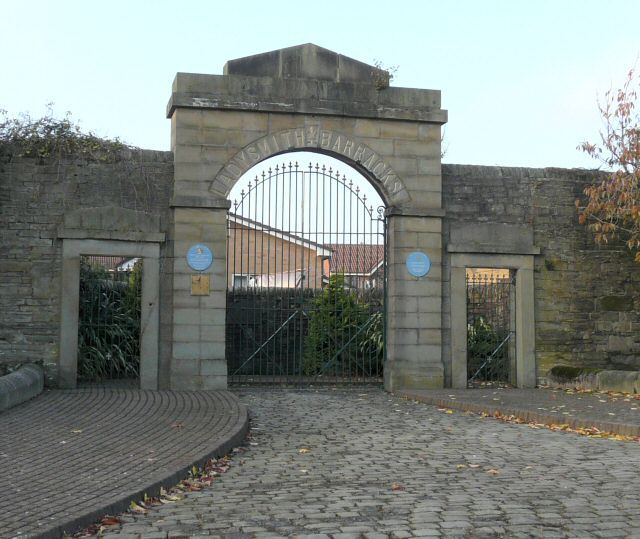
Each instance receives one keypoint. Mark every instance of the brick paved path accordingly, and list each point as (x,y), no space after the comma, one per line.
(381,466)
(67,457)
(610,413)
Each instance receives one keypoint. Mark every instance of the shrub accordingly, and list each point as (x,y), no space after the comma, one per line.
(344,338)
(51,137)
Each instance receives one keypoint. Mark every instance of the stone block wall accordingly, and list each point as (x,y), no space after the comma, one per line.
(587,307)
(34,196)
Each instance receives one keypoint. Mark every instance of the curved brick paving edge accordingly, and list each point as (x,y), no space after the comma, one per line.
(469,400)
(119,427)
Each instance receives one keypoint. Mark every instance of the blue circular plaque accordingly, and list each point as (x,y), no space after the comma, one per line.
(199,257)
(418,264)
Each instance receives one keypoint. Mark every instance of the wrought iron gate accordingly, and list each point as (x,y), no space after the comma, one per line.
(490,326)
(109,318)
(306,276)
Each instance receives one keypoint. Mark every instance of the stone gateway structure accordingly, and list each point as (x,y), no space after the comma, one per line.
(574,304)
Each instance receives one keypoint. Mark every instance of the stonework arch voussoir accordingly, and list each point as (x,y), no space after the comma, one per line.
(315,138)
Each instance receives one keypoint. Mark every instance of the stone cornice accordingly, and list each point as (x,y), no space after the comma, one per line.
(304,96)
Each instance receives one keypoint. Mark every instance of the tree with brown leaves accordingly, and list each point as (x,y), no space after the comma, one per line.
(612,209)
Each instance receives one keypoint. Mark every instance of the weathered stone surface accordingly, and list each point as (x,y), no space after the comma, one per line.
(618,381)
(585,307)
(306,61)
(308,79)
(35,196)
(586,311)
(615,303)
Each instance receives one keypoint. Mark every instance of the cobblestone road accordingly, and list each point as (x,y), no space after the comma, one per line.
(379,466)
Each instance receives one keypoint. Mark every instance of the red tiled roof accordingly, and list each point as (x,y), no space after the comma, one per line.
(355,258)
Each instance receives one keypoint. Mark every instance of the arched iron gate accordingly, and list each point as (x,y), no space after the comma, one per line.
(305,280)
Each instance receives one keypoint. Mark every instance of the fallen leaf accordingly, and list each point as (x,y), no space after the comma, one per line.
(461,466)
(474,465)
(133,506)
(397,487)
(493,471)
(110,521)
(303,450)
(76,431)
(177,425)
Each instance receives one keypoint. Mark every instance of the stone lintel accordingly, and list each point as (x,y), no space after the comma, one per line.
(118,235)
(304,96)
(492,238)
(198,201)
(414,212)
(491,249)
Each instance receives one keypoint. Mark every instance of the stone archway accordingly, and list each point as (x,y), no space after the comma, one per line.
(315,138)
(305,98)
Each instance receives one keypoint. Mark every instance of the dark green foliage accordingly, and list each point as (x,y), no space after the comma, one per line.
(344,337)
(109,324)
(482,340)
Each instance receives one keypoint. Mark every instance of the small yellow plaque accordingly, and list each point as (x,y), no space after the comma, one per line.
(200,285)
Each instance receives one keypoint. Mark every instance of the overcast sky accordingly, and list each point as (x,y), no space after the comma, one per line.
(520,79)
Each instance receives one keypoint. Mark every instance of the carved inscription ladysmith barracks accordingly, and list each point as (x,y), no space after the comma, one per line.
(312,137)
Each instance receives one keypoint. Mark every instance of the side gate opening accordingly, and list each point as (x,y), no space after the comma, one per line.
(305,278)
(491,357)
(109,318)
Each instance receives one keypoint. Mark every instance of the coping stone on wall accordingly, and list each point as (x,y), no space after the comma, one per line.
(20,386)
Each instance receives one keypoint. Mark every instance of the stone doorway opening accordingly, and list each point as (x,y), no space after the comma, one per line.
(491,351)
(305,274)
(109,319)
